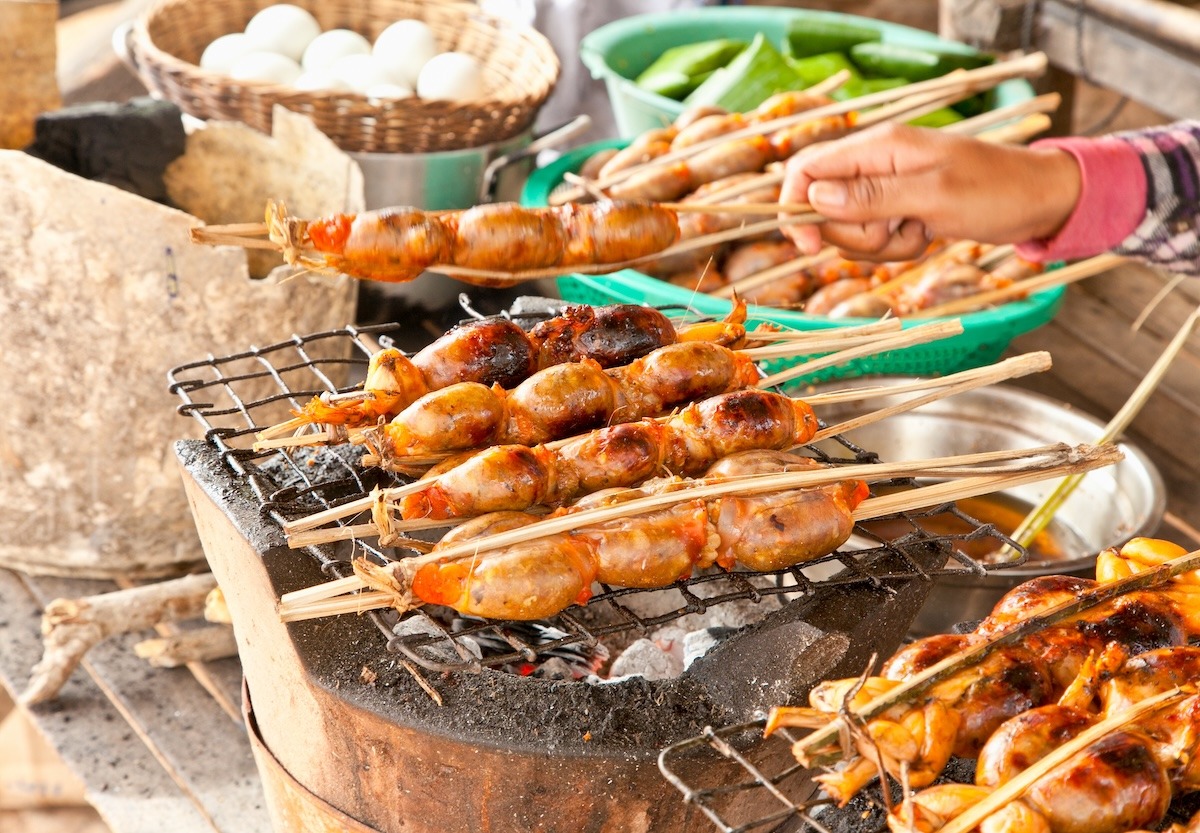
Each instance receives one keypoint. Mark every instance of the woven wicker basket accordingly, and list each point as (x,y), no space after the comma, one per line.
(520,70)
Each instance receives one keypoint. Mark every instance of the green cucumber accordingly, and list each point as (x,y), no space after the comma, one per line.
(893,60)
(859,86)
(816,37)
(816,68)
(680,69)
(938,118)
(756,74)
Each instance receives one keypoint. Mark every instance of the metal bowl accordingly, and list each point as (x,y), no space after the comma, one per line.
(1109,507)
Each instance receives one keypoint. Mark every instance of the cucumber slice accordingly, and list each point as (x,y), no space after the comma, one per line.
(892,60)
(816,68)
(680,69)
(816,37)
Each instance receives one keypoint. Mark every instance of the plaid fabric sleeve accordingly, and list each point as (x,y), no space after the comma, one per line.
(1169,234)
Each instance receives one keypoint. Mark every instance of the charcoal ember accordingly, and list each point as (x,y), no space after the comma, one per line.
(645,658)
(125,145)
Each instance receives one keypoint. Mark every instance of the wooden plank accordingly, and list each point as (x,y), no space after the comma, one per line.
(188,732)
(1112,55)
(126,785)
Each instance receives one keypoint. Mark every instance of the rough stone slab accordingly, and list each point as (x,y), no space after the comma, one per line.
(101,294)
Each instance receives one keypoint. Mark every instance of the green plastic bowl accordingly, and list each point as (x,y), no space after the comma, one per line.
(617,52)
(986,334)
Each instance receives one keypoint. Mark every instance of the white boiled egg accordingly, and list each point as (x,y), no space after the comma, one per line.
(265,66)
(404,47)
(283,28)
(327,47)
(452,75)
(360,72)
(219,55)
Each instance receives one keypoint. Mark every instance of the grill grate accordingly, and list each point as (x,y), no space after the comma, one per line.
(235,396)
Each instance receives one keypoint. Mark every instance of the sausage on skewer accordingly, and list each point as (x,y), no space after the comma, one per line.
(560,401)
(518,477)
(542,576)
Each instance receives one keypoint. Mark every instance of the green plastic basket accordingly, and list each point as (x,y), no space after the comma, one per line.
(985,334)
(617,52)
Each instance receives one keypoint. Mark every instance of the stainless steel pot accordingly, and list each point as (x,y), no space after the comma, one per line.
(1109,507)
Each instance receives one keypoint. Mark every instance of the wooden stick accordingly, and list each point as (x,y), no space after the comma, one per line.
(915,335)
(71,627)
(739,208)
(198,645)
(1047,103)
(957,383)
(1028,65)
(1041,516)
(921,682)
(715,238)
(772,273)
(1057,277)
(970,818)
(1028,467)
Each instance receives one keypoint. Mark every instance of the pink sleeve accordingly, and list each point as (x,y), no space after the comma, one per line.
(1111,203)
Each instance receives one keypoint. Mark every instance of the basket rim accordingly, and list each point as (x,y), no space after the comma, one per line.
(142,49)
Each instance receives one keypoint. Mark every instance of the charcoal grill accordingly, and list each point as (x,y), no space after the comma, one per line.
(444,728)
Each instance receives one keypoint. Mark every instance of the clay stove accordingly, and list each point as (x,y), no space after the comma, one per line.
(361,729)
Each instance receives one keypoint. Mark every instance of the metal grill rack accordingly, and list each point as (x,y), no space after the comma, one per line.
(235,396)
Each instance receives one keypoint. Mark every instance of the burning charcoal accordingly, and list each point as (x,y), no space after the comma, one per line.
(644,658)
(555,668)
(125,145)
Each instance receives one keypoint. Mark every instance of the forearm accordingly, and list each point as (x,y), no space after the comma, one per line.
(1140,198)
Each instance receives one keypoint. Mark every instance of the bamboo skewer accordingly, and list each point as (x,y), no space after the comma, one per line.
(1026,66)
(794,345)
(1039,518)
(915,335)
(1057,277)
(921,682)
(1018,784)
(1012,368)
(1060,458)
(772,273)
(947,386)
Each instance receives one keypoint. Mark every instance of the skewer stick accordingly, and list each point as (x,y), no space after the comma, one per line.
(1057,277)
(906,338)
(767,208)
(1019,783)
(805,748)
(1024,465)
(772,273)
(688,245)
(1039,518)
(1041,104)
(1026,66)
(1012,368)
(943,388)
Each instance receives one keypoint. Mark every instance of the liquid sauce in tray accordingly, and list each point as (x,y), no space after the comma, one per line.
(1058,542)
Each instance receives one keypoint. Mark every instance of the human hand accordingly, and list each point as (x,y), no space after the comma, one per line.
(888,190)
